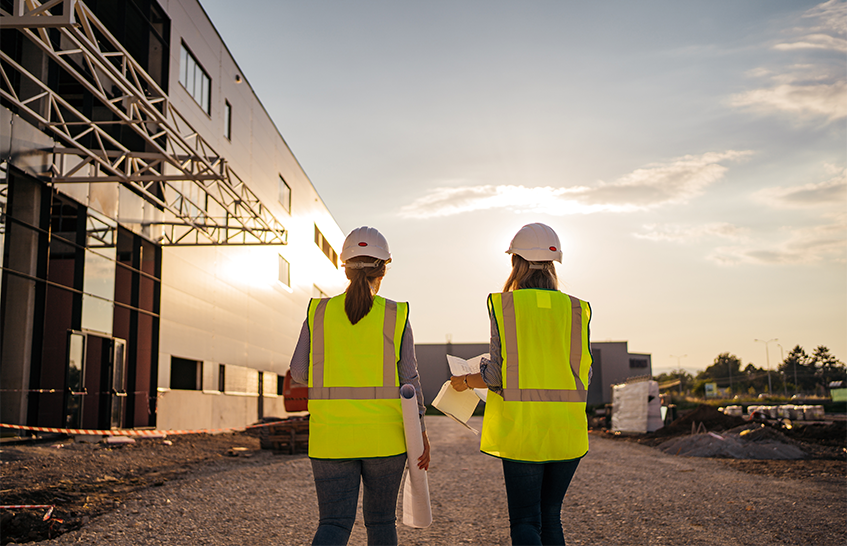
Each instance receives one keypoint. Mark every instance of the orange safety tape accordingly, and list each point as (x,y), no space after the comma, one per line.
(49,507)
(128,432)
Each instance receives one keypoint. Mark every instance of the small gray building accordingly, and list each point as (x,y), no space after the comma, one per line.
(613,364)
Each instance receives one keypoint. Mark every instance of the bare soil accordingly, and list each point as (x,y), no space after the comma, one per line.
(86,481)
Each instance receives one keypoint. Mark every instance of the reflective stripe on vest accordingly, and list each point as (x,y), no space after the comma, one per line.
(513,392)
(389,362)
(354,383)
(540,415)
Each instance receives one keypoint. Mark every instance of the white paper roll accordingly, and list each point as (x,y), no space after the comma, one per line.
(417,511)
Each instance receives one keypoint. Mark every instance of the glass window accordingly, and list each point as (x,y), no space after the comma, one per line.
(638,363)
(270,384)
(227,120)
(284,271)
(186,374)
(97,314)
(183,65)
(241,380)
(99,279)
(325,247)
(222,377)
(285,194)
(194,79)
(98,283)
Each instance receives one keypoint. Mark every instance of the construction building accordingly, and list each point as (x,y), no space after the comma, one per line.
(160,240)
(613,364)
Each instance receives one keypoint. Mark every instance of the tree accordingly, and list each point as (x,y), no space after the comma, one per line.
(754,378)
(799,368)
(725,371)
(685,378)
(826,367)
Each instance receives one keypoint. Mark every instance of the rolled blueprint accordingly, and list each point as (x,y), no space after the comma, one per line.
(416,508)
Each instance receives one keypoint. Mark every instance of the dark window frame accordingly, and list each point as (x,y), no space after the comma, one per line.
(287,281)
(227,120)
(639,363)
(186,80)
(284,194)
(186,374)
(325,247)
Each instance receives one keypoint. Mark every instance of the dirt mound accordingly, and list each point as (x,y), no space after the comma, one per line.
(708,415)
(733,446)
(753,441)
(834,434)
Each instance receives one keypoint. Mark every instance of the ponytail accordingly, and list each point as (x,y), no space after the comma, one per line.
(361,270)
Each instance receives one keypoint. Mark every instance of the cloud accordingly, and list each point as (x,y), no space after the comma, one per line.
(651,186)
(832,192)
(802,246)
(832,16)
(815,41)
(814,88)
(676,233)
(805,100)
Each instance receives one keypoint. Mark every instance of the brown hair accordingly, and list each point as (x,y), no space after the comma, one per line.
(531,275)
(359,298)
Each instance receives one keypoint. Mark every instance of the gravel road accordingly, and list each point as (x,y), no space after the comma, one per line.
(623,494)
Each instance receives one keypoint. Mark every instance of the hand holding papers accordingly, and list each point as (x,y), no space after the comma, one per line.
(460,366)
(460,405)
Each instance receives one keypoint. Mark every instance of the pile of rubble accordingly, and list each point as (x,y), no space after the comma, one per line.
(708,432)
(750,441)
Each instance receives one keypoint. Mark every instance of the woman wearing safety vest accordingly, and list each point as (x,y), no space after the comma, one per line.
(537,375)
(354,352)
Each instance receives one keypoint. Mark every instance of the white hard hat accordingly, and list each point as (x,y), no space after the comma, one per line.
(536,243)
(365,241)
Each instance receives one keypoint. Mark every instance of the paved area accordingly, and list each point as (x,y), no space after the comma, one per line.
(623,493)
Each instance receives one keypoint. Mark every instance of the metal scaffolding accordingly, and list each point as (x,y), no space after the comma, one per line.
(204,201)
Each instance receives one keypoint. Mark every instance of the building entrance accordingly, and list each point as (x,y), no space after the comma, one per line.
(96,379)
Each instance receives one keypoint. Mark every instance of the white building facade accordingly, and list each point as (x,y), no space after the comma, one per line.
(160,240)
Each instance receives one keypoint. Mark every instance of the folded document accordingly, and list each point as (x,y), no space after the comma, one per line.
(460,405)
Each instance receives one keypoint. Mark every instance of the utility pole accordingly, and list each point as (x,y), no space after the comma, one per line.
(679,367)
(768,361)
(784,382)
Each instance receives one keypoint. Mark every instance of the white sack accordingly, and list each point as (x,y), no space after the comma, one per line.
(629,407)
(654,407)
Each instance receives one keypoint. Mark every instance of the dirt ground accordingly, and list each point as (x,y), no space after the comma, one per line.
(86,480)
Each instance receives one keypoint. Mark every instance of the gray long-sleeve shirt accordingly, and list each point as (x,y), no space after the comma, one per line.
(407,368)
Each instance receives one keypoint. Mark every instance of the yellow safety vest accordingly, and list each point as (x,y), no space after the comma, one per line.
(354,386)
(540,416)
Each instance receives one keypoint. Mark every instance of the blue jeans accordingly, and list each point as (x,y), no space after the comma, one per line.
(337,485)
(535,492)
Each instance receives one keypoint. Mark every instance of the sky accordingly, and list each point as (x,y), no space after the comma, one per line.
(692,156)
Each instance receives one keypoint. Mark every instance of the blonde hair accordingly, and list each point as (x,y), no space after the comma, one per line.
(361,270)
(531,275)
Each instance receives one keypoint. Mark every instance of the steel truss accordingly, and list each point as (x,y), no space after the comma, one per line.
(205,202)
(4,196)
